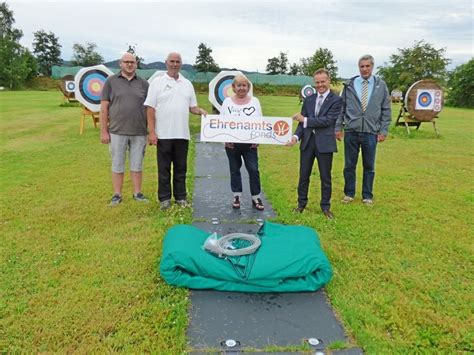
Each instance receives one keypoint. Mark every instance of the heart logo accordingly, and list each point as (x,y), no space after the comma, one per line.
(249,110)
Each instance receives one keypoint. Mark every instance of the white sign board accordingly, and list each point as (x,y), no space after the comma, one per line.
(236,129)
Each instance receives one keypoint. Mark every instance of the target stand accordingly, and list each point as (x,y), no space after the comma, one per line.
(423,102)
(88,85)
(85,113)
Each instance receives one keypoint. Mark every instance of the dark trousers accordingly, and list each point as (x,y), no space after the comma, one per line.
(172,152)
(307,157)
(250,157)
(353,143)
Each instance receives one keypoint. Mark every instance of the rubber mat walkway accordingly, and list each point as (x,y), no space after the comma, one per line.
(233,321)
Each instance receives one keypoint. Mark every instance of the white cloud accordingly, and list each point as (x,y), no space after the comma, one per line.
(245,34)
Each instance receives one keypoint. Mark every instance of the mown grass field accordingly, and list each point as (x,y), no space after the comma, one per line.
(76,275)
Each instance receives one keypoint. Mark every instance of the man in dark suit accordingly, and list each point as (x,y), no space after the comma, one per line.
(316,133)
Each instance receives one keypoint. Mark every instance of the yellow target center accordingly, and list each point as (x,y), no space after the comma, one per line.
(229,92)
(95,87)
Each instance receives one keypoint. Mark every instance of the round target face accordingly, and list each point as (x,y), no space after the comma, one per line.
(89,84)
(70,86)
(425,99)
(221,87)
(307,91)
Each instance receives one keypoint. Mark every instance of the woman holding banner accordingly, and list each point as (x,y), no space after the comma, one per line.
(243,105)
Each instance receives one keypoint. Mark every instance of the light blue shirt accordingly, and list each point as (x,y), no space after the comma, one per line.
(358,85)
(325,95)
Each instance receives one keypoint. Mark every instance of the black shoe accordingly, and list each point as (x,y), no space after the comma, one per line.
(140,197)
(328,214)
(182,203)
(164,205)
(298,209)
(236,202)
(258,204)
(116,199)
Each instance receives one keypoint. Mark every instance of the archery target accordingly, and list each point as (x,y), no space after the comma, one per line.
(424,99)
(221,87)
(89,84)
(307,91)
(70,86)
(156,75)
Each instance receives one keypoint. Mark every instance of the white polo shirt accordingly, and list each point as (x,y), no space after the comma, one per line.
(171,100)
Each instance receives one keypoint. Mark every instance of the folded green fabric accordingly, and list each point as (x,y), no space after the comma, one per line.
(290,259)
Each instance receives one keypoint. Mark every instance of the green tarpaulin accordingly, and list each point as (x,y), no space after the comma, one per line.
(280,79)
(290,259)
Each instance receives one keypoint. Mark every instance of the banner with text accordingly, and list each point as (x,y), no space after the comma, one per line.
(236,129)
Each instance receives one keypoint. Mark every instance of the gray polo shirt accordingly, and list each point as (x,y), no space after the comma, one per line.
(126,111)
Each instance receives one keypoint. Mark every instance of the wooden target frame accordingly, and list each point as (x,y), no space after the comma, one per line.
(423,102)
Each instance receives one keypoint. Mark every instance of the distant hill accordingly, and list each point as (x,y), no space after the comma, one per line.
(66,63)
(154,65)
(113,64)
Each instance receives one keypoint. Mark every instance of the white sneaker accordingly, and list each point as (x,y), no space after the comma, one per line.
(347,199)
(368,202)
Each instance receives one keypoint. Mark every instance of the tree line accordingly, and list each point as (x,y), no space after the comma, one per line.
(406,66)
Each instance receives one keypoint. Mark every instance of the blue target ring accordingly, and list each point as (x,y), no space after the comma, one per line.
(221,88)
(307,91)
(70,86)
(91,85)
(425,99)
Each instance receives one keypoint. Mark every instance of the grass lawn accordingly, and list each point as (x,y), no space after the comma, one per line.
(76,275)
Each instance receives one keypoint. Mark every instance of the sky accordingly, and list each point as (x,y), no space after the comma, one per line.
(245,34)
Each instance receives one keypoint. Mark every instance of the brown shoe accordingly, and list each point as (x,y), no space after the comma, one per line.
(328,214)
(258,204)
(298,209)
(236,203)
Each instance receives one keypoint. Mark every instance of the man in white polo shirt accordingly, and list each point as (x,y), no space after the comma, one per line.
(170,99)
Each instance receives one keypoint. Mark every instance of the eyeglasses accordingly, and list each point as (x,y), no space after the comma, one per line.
(128,62)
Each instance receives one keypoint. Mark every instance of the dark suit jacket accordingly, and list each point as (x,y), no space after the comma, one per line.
(323,124)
